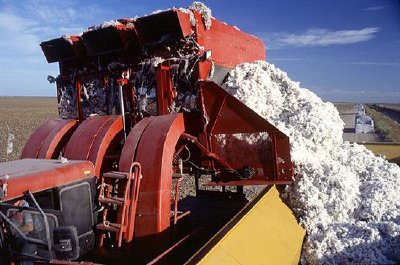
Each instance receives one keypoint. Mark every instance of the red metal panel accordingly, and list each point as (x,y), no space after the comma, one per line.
(224,111)
(92,138)
(48,139)
(229,45)
(204,69)
(40,174)
(112,130)
(165,92)
(63,48)
(170,25)
(184,22)
(228,110)
(56,140)
(155,150)
(87,130)
(155,153)
(129,150)
(114,38)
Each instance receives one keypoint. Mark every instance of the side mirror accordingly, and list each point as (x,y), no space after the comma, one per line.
(66,243)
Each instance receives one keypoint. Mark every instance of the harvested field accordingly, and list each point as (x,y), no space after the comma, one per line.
(384,124)
(390,110)
(20,116)
(395,107)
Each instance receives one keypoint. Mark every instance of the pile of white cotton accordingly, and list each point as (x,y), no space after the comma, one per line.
(347,198)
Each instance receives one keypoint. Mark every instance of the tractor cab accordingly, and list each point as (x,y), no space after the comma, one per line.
(48,210)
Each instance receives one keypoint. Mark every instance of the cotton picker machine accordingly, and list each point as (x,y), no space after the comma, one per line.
(149,157)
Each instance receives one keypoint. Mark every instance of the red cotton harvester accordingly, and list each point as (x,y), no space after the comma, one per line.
(144,163)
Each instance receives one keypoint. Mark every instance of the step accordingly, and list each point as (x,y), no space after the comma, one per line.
(112,200)
(111,227)
(112,157)
(116,175)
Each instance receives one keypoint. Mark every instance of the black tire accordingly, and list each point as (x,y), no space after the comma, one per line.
(3,252)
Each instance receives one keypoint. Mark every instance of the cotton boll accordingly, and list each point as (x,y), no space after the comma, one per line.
(204,11)
(347,198)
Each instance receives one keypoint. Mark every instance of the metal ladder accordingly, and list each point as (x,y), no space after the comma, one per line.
(124,205)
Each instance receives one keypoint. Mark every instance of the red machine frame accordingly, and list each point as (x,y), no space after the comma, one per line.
(156,141)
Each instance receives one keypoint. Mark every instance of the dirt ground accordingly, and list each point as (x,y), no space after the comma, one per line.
(390,110)
(20,116)
(390,106)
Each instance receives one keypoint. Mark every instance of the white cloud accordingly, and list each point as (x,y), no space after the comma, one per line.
(320,37)
(375,8)
(12,22)
(17,35)
(62,12)
(285,59)
(23,25)
(376,63)
(59,13)
(45,18)
(72,29)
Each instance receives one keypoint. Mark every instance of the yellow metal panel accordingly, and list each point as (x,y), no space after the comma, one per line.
(219,257)
(267,234)
(390,150)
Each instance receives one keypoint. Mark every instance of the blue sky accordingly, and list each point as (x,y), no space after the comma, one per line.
(343,50)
